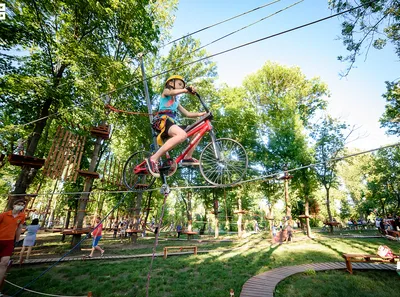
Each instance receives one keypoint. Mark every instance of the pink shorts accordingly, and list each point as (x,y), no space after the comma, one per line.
(6,248)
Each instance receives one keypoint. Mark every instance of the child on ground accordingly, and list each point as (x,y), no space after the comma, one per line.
(96,233)
(166,124)
(30,239)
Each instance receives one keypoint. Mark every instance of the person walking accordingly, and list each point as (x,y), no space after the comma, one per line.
(179,229)
(10,230)
(97,233)
(29,240)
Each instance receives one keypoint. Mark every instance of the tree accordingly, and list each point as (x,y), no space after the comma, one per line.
(373,24)
(75,50)
(286,102)
(329,144)
(391,117)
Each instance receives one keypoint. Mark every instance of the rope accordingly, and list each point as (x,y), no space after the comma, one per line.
(166,193)
(219,53)
(67,253)
(272,175)
(39,293)
(221,22)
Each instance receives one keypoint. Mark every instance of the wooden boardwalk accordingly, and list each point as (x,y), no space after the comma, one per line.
(264,284)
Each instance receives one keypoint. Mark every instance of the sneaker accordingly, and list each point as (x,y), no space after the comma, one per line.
(190,162)
(153,168)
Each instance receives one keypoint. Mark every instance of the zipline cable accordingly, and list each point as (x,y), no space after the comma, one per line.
(221,22)
(269,176)
(135,82)
(249,25)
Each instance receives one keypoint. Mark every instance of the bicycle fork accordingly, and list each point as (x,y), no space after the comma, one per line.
(217,151)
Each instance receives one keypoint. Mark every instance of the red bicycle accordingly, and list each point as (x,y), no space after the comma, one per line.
(222,161)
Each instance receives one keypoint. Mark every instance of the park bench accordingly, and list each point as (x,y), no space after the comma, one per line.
(189,234)
(180,248)
(349,258)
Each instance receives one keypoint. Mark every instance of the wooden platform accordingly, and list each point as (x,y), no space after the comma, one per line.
(88,174)
(102,131)
(264,284)
(190,234)
(18,160)
(76,231)
(351,258)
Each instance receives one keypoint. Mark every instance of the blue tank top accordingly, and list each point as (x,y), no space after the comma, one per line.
(169,103)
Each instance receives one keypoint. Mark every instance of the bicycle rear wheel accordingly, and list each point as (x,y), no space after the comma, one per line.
(136,175)
(230,168)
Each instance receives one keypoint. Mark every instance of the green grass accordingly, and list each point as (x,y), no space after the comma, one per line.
(229,265)
(338,283)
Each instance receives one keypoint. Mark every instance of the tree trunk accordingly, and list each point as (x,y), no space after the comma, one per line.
(27,174)
(328,208)
(240,219)
(137,210)
(307,213)
(83,200)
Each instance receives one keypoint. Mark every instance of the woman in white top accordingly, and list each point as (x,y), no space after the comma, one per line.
(30,239)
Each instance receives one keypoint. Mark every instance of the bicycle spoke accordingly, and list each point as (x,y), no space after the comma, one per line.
(229,168)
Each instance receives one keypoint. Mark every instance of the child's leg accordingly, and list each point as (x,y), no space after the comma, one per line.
(21,254)
(190,152)
(29,252)
(177,134)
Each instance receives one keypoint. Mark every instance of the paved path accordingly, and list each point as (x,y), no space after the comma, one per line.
(263,285)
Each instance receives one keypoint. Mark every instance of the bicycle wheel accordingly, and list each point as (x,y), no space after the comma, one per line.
(136,175)
(229,168)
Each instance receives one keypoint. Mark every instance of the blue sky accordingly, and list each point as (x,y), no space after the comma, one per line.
(357,99)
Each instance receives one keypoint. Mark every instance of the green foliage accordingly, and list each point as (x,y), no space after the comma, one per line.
(391,117)
(372,24)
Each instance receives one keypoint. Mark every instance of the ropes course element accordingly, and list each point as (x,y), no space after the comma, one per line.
(261,178)
(221,22)
(165,190)
(44,294)
(245,27)
(64,156)
(137,81)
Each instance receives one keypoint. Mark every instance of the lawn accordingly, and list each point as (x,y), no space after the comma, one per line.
(225,265)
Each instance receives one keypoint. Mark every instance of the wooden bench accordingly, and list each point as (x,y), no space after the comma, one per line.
(349,258)
(180,248)
(190,234)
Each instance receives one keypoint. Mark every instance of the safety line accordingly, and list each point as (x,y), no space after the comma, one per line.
(132,83)
(269,176)
(237,47)
(245,27)
(40,293)
(67,253)
(221,22)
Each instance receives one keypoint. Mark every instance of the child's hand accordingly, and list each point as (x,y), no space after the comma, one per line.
(191,90)
(200,114)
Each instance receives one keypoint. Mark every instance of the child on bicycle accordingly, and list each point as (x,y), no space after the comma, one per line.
(166,125)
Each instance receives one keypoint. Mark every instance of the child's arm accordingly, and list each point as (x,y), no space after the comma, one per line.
(173,92)
(190,114)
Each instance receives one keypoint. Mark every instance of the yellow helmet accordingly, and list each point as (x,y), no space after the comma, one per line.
(176,77)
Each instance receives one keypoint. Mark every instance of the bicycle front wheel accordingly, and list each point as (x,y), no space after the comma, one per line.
(225,167)
(136,175)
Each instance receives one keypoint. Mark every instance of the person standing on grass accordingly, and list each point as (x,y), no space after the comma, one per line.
(10,230)
(30,239)
(179,230)
(96,233)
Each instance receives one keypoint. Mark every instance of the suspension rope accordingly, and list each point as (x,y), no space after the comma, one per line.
(39,293)
(165,190)
(269,176)
(221,22)
(137,81)
(249,25)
